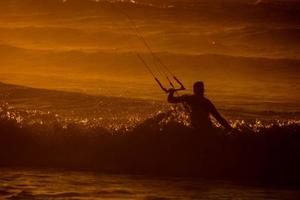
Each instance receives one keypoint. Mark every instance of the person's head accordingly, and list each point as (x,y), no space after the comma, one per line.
(199,88)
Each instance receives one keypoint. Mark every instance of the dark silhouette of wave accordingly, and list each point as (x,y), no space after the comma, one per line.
(159,146)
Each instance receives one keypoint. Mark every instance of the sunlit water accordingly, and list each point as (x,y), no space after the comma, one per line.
(251,72)
(242,55)
(16,184)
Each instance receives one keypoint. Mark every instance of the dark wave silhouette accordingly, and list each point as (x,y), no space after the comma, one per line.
(158,146)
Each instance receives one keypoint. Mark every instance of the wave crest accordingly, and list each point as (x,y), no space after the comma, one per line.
(161,145)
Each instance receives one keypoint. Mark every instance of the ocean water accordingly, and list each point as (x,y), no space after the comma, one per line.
(58,184)
(74,95)
(54,129)
(245,52)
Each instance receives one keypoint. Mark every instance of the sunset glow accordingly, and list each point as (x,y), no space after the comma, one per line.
(135,90)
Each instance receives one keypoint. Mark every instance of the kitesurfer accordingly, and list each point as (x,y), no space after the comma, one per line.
(200,108)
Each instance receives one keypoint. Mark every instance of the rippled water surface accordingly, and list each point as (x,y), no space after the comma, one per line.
(53,184)
(80,54)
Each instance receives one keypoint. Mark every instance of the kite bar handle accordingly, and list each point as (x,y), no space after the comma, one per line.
(167,91)
(160,85)
(179,82)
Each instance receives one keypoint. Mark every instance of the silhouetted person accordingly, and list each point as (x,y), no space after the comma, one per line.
(200,108)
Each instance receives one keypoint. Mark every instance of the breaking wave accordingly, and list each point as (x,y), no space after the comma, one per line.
(162,145)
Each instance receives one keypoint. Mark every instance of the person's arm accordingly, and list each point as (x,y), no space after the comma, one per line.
(218,117)
(172,99)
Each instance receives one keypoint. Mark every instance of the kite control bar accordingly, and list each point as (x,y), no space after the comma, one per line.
(179,82)
(158,82)
(174,89)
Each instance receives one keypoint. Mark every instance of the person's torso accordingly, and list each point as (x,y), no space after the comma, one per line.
(199,110)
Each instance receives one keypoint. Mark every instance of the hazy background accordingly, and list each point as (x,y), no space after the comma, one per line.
(247,52)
